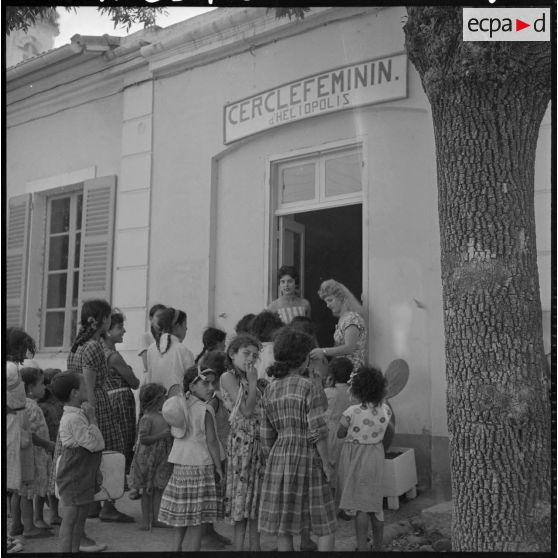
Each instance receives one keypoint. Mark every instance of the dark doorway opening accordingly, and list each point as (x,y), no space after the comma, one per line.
(332,250)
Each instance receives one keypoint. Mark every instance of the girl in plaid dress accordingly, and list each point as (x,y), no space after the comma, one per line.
(88,357)
(120,382)
(193,495)
(245,465)
(296,494)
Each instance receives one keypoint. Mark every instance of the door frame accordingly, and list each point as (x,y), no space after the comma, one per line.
(271,220)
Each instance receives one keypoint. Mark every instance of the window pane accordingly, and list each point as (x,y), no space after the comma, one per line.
(79,209)
(76,253)
(75,289)
(56,290)
(54,329)
(73,326)
(343,175)
(58,252)
(60,215)
(298,183)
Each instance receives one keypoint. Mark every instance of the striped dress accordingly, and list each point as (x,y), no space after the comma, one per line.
(295,492)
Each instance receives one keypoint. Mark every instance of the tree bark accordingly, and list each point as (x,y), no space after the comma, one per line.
(488,100)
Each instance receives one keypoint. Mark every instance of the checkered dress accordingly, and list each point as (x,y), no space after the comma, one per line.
(295,492)
(91,355)
(124,405)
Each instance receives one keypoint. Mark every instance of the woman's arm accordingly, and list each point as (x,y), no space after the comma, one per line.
(145,436)
(117,363)
(350,340)
(90,376)
(42,442)
(213,444)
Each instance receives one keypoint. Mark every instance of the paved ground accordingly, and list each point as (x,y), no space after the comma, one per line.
(126,537)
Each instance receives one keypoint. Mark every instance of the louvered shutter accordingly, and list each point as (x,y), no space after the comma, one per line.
(19,208)
(97,238)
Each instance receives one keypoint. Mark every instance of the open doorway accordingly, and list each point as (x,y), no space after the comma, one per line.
(325,244)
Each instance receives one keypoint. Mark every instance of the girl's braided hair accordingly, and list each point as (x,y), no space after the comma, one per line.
(18,344)
(290,349)
(165,322)
(93,312)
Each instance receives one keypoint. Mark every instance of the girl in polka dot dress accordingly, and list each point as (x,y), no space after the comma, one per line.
(361,462)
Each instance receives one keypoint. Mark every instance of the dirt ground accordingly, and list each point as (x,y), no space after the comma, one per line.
(126,537)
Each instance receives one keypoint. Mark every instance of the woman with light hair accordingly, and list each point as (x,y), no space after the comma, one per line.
(350,332)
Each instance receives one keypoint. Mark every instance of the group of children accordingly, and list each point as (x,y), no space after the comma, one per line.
(282,449)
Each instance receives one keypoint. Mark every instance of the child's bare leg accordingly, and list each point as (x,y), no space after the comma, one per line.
(195,533)
(15,508)
(178,538)
(79,526)
(306,543)
(55,518)
(254,535)
(26,505)
(146,506)
(38,508)
(377,531)
(285,543)
(156,496)
(326,543)
(66,534)
(361,529)
(239,534)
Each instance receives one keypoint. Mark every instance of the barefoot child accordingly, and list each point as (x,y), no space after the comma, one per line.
(150,470)
(33,378)
(77,475)
(361,462)
(193,494)
(245,464)
(52,411)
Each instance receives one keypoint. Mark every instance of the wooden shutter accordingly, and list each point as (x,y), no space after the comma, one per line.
(19,209)
(99,197)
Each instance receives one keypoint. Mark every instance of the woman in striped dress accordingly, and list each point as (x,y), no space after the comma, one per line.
(289,304)
(88,358)
(296,493)
(120,382)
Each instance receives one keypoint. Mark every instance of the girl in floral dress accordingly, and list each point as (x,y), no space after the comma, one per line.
(150,470)
(245,465)
(33,379)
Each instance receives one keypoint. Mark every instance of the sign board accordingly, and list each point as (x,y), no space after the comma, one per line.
(373,81)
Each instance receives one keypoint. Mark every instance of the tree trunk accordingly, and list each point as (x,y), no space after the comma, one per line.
(488,100)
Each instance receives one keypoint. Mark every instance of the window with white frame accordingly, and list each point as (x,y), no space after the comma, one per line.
(323,179)
(62,269)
